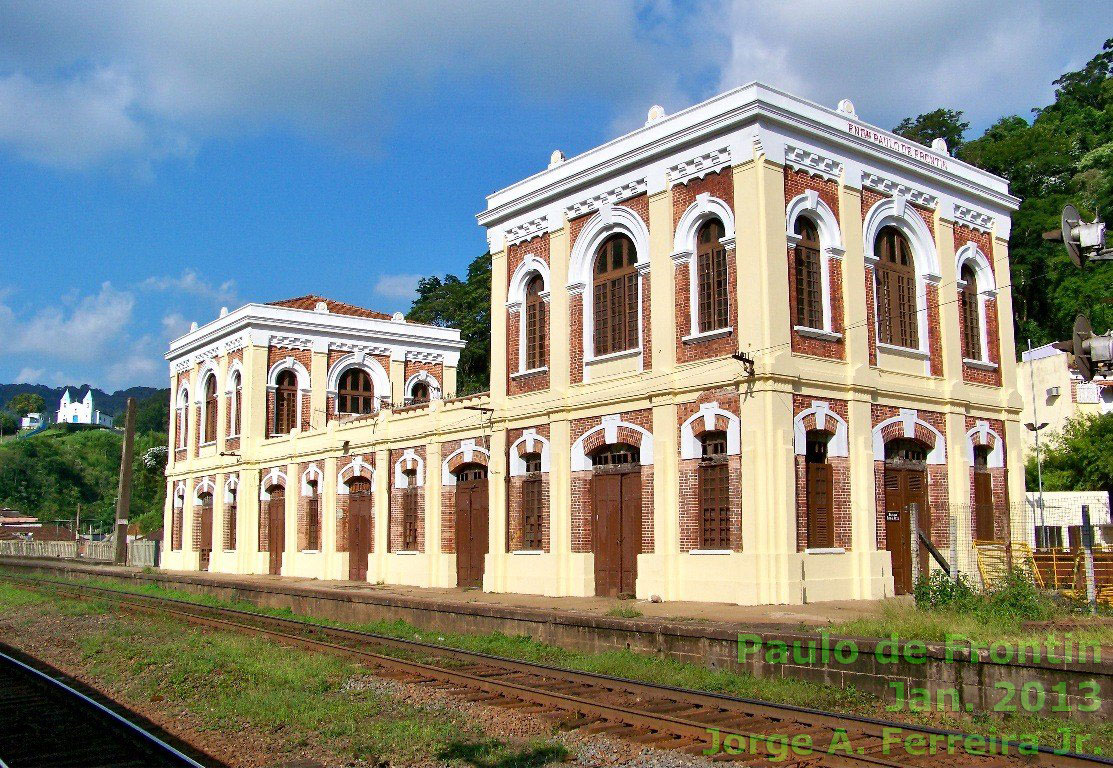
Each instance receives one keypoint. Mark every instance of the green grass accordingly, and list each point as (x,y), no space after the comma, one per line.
(656,669)
(621,612)
(230,682)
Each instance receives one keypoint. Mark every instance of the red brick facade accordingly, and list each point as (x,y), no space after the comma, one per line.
(973,374)
(397,496)
(796,184)
(690,537)
(537,247)
(303,356)
(720,185)
(840,477)
(514,537)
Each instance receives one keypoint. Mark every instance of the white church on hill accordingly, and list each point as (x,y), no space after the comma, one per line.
(81,411)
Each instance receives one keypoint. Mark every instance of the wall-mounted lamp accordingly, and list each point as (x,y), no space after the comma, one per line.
(746,360)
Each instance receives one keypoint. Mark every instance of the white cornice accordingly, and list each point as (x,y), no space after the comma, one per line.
(609,197)
(973,218)
(812,163)
(699,166)
(736,113)
(893,187)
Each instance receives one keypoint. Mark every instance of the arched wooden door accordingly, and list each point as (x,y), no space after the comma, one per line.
(616,501)
(471,524)
(360,529)
(905,495)
(276,528)
(206,543)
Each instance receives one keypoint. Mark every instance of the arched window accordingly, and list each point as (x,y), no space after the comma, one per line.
(615,288)
(409,510)
(285,403)
(183,419)
(809,276)
(617,456)
(210,409)
(536,354)
(714,492)
(531,503)
(355,394)
(235,396)
(711,277)
(904,451)
(313,517)
(896,290)
(419,393)
(971,311)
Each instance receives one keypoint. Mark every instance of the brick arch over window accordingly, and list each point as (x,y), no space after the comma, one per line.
(908,425)
(610,433)
(357,467)
(380,381)
(312,473)
(896,212)
(606,222)
(426,378)
(710,418)
(231,486)
(529,443)
(205,486)
(467,453)
(982,435)
(821,418)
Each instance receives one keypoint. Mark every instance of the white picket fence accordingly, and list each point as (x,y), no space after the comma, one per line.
(140,553)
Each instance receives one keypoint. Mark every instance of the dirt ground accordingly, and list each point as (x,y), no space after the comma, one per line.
(53,637)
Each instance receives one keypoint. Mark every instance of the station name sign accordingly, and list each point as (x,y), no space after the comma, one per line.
(908,149)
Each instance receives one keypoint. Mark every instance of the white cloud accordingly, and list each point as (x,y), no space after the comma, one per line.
(400,287)
(168,76)
(141,363)
(174,325)
(30,376)
(894,60)
(91,327)
(190,283)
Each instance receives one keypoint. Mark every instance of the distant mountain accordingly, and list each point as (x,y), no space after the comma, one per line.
(112,404)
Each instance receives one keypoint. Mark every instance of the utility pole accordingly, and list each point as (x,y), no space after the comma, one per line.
(123,495)
(77,532)
(1036,426)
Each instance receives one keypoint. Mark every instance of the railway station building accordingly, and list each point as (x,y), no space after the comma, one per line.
(739,355)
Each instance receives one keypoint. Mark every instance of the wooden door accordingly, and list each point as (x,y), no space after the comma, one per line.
(360,531)
(616,500)
(276,528)
(905,491)
(206,544)
(471,526)
(821,529)
(983,506)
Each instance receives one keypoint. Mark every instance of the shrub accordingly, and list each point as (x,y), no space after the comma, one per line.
(1013,599)
(938,590)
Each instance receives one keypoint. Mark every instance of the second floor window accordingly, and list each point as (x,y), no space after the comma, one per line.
(809,280)
(210,410)
(235,395)
(355,393)
(971,320)
(419,393)
(615,291)
(183,420)
(896,290)
(711,277)
(536,355)
(285,403)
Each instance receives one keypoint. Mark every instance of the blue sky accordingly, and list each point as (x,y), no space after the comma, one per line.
(159,161)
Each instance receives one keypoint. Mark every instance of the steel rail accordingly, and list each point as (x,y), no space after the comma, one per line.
(668,729)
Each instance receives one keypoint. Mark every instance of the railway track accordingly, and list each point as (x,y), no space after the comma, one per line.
(744,730)
(46,723)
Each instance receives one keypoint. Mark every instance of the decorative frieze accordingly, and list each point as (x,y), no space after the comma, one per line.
(424,357)
(291,342)
(367,349)
(699,166)
(527,230)
(610,197)
(812,163)
(973,218)
(898,189)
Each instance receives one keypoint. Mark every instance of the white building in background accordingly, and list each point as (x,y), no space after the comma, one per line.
(1060,393)
(81,411)
(31,421)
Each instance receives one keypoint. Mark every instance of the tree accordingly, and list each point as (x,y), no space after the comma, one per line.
(8,424)
(27,402)
(464,304)
(153,413)
(1078,459)
(946,124)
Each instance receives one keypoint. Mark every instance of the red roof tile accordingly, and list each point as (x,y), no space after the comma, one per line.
(335,307)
